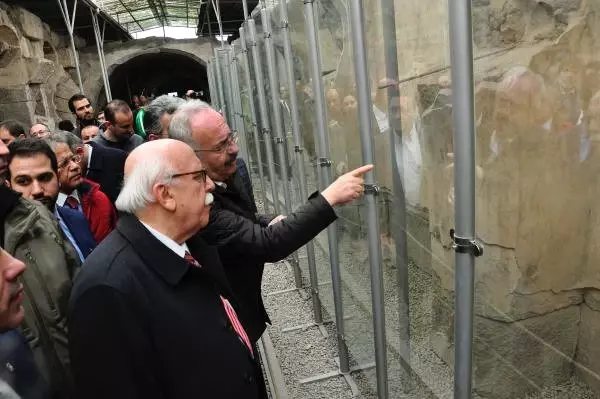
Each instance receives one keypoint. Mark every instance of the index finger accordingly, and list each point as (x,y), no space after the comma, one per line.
(362,170)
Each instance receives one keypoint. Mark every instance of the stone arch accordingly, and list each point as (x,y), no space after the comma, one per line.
(123,60)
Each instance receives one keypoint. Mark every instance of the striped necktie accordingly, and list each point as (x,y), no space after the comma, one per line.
(231,314)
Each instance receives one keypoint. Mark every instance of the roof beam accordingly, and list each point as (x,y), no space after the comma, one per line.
(130,14)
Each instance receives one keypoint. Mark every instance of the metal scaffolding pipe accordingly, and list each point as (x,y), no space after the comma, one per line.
(253,118)
(280,137)
(70,22)
(264,116)
(463,106)
(399,229)
(100,46)
(217,96)
(299,151)
(365,108)
(226,73)
(220,87)
(324,168)
(211,87)
(237,102)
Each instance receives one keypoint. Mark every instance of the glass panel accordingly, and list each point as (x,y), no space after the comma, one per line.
(536,314)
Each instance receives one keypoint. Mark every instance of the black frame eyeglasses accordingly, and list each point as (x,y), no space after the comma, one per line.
(74,158)
(200,175)
(232,138)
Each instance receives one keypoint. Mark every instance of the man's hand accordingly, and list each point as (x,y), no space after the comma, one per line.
(347,187)
(276,220)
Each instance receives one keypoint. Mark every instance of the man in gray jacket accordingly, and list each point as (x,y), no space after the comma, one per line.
(30,233)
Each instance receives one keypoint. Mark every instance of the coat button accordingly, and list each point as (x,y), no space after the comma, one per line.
(249,378)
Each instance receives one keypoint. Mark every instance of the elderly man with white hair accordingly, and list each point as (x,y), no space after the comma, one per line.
(150,316)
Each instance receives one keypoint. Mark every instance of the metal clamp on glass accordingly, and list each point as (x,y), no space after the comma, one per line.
(299,149)
(323,162)
(279,140)
(466,246)
(372,189)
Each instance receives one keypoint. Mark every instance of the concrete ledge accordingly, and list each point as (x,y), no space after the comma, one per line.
(273,370)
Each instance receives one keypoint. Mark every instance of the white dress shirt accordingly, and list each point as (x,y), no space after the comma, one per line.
(89,148)
(179,249)
(62,198)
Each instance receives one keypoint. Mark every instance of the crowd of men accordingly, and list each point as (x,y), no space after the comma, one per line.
(133,252)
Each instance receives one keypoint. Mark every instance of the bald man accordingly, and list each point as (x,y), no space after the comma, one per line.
(149,316)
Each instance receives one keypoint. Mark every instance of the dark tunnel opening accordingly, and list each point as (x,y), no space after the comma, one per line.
(155,74)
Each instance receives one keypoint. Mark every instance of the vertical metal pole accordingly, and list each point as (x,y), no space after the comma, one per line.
(365,107)
(211,87)
(217,94)
(70,22)
(253,118)
(264,116)
(226,73)
(388,17)
(100,47)
(276,102)
(324,165)
(237,102)
(299,151)
(220,88)
(463,105)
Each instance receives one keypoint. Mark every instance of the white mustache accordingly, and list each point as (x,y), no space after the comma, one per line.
(209,199)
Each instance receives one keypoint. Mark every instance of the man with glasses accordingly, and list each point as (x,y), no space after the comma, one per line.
(79,193)
(50,241)
(39,130)
(151,314)
(247,240)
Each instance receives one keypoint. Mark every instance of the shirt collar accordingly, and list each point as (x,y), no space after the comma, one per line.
(179,249)
(89,156)
(62,198)
(221,184)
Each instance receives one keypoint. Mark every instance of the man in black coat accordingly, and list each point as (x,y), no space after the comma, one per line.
(101,164)
(150,316)
(245,239)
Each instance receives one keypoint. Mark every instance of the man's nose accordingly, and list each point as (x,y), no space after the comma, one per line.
(233,148)
(36,188)
(14,268)
(210,185)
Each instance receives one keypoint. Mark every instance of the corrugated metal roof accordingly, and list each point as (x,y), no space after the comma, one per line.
(140,15)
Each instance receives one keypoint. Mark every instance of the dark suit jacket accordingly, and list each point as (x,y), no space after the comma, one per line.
(106,169)
(245,242)
(145,324)
(79,228)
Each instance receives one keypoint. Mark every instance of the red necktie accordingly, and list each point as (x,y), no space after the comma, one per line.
(72,203)
(231,314)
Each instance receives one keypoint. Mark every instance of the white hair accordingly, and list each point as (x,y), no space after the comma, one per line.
(137,188)
(179,128)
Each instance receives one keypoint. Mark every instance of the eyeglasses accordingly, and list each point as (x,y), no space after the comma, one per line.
(40,132)
(232,138)
(74,158)
(199,175)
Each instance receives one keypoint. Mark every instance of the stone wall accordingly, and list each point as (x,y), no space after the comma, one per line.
(36,67)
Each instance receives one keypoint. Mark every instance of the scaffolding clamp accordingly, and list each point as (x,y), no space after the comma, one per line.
(466,246)
(323,162)
(299,149)
(372,189)
(279,140)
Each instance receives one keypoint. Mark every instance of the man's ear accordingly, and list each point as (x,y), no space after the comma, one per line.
(152,137)
(163,196)
(22,136)
(79,150)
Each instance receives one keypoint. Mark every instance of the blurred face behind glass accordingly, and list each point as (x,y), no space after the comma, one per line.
(333,100)
(39,131)
(33,177)
(69,171)
(122,129)
(83,109)
(11,292)
(350,104)
(88,133)
(216,146)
